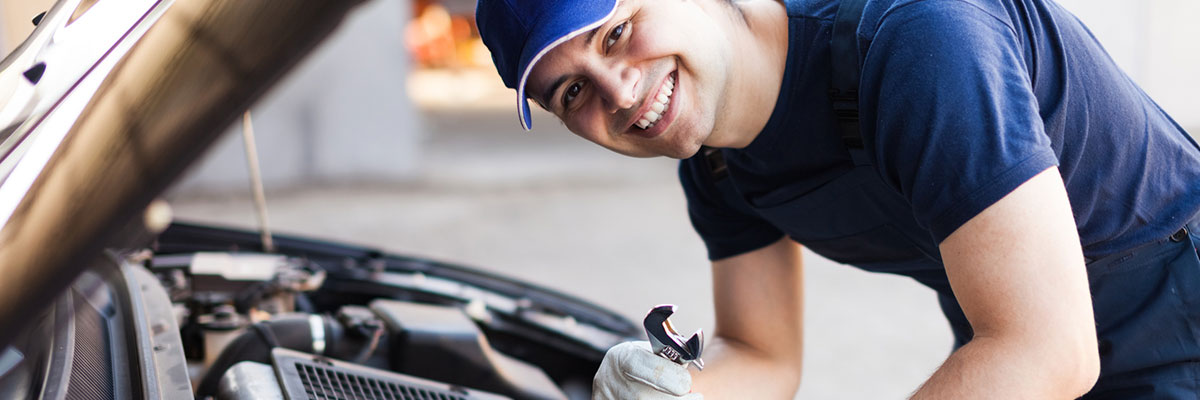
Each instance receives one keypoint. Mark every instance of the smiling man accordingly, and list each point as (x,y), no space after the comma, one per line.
(989,149)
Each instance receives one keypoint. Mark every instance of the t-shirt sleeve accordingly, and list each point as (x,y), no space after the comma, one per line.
(949,112)
(726,230)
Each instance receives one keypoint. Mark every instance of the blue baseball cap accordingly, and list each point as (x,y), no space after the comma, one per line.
(520,32)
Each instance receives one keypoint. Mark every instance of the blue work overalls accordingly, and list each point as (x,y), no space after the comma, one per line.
(1146,300)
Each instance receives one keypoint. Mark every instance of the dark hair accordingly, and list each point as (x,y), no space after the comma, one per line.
(736,10)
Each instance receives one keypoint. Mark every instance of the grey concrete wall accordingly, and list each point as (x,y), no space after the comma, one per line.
(342,115)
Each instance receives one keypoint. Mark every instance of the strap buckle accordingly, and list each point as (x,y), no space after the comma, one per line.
(845,111)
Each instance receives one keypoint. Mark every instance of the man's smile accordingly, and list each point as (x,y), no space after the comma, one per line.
(658,104)
(656,112)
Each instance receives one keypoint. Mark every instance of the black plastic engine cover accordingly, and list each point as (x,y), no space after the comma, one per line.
(442,343)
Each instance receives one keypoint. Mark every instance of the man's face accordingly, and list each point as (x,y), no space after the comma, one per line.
(646,83)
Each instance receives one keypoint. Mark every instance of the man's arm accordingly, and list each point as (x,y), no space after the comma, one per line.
(1017,270)
(756,350)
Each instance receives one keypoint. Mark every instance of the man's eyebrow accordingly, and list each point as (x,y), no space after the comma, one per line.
(591,35)
(549,92)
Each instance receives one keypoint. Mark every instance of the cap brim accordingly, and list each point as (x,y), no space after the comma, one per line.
(548,35)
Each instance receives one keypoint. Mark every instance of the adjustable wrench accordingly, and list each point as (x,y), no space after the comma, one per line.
(669,344)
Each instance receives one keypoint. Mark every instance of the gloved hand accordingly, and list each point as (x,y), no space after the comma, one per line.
(630,371)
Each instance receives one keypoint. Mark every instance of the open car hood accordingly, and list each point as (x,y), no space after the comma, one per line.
(107,103)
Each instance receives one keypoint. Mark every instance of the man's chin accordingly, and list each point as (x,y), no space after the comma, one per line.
(690,148)
(679,151)
(685,154)
(672,146)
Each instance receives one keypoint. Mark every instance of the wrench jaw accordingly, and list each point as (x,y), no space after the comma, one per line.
(695,345)
(668,343)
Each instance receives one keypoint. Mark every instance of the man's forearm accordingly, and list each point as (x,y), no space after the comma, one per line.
(988,368)
(736,371)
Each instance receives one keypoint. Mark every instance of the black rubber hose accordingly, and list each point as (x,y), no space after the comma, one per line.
(304,304)
(290,331)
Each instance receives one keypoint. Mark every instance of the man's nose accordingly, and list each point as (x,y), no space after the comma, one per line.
(618,86)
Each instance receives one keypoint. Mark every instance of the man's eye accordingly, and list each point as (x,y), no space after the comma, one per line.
(571,92)
(615,35)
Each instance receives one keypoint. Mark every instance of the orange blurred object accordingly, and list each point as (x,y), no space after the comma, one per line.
(438,39)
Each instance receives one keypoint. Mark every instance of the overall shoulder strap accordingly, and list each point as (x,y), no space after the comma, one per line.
(844,91)
(718,174)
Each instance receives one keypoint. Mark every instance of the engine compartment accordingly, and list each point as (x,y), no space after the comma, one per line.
(416,317)
(203,311)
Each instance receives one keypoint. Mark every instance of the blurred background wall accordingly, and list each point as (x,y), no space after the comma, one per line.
(342,116)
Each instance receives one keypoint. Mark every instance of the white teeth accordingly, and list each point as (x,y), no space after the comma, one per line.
(661,102)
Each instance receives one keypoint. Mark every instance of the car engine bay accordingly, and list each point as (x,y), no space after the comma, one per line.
(203,312)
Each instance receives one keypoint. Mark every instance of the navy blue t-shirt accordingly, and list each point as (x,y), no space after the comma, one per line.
(961,101)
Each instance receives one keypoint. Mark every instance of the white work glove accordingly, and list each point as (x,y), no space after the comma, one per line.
(631,372)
